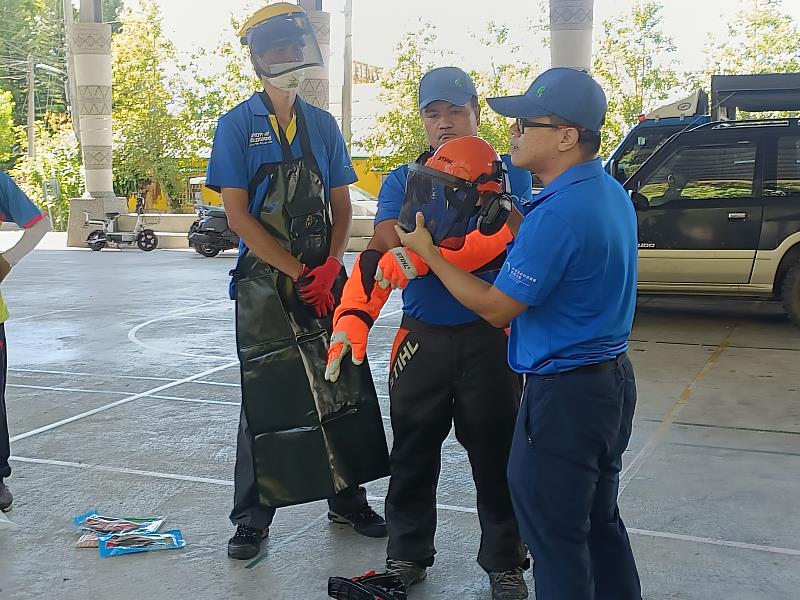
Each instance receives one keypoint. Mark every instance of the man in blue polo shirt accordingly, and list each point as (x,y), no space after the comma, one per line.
(15,207)
(568,287)
(447,366)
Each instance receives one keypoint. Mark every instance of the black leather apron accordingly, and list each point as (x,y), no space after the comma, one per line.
(313,438)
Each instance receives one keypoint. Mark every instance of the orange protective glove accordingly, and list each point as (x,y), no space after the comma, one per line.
(360,307)
(400,265)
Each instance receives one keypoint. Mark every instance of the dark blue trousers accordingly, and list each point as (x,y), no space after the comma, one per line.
(564,478)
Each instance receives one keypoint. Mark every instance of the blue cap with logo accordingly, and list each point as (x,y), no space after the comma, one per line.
(450,84)
(567,93)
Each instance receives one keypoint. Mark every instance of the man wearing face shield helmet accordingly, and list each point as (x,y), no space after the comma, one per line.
(447,365)
(283,170)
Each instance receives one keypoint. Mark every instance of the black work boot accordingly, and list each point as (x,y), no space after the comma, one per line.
(366,521)
(407,571)
(508,585)
(6,499)
(246,543)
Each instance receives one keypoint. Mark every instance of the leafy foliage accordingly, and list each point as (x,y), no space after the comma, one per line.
(148,135)
(632,64)
(57,159)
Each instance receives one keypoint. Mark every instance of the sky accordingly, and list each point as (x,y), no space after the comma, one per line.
(378,25)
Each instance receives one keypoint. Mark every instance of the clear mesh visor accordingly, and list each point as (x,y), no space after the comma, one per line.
(448,204)
(284,44)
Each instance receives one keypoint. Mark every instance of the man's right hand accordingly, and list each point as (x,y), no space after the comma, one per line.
(5,268)
(349,335)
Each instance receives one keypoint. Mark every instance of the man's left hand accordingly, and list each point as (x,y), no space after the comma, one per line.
(419,240)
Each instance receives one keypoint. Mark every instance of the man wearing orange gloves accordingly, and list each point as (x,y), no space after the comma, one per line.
(448,366)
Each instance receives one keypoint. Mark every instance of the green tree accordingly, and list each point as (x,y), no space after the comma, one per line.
(36,28)
(632,64)
(7,127)
(210,94)
(399,136)
(502,79)
(57,159)
(761,38)
(148,136)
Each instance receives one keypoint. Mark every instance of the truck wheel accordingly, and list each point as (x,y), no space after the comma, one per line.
(790,293)
(96,240)
(147,240)
(207,250)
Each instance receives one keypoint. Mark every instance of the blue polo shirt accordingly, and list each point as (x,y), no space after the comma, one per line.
(245,139)
(573,263)
(15,207)
(425,298)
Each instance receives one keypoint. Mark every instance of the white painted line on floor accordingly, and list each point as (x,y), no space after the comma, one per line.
(63,389)
(132,334)
(715,542)
(195,400)
(121,470)
(220,383)
(381,500)
(100,409)
(44,314)
(107,392)
(630,471)
(115,376)
(389,314)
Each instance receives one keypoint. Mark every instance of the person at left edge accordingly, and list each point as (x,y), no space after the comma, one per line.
(16,207)
(267,131)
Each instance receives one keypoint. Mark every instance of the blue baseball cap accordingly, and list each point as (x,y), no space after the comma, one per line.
(450,84)
(567,93)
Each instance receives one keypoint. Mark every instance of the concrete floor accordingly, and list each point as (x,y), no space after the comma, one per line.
(123,396)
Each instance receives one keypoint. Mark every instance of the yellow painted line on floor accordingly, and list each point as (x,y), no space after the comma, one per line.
(659,434)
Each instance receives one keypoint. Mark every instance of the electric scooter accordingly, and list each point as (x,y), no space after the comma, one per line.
(98,239)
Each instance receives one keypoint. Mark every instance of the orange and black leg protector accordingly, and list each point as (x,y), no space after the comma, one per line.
(362,301)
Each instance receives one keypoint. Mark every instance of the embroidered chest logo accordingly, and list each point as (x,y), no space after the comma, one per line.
(404,356)
(260,138)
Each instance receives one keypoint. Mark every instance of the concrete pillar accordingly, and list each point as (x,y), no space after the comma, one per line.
(90,44)
(571,24)
(315,88)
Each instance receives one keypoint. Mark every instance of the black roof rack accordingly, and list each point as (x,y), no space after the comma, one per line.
(793,123)
(754,93)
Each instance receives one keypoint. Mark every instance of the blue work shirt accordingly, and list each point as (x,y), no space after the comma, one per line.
(425,298)
(246,139)
(573,263)
(15,207)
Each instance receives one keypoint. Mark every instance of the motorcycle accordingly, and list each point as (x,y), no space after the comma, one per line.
(98,239)
(209,234)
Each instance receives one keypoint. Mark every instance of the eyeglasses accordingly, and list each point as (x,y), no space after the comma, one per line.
(523,123)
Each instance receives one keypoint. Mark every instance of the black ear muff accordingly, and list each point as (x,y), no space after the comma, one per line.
(494,214)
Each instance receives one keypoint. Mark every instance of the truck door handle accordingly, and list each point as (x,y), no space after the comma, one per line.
(737,216)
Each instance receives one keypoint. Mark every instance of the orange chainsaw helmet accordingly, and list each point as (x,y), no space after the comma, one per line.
(463,184)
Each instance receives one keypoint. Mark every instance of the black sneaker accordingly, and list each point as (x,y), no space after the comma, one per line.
(246,543)
(6,499)
(407,571)
(508,585)
(366,522)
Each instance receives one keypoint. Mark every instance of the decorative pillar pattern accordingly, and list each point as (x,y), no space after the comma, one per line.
(91,46)
(314,89)
(571,23)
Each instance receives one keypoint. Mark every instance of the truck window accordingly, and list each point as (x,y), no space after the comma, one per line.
(639,146)
(785,179)
(703,172)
